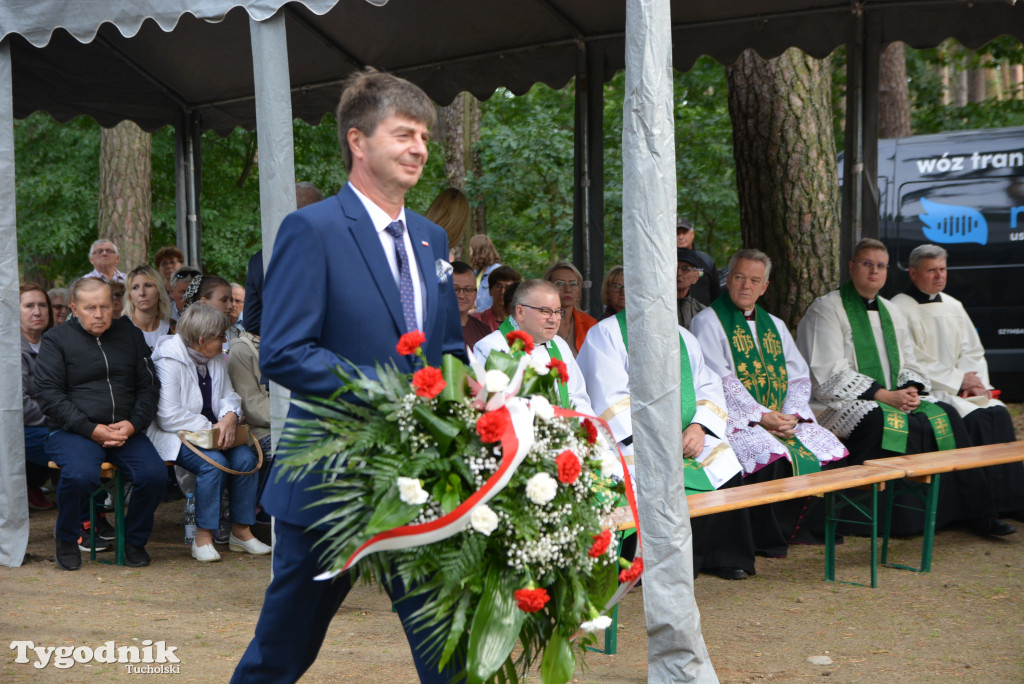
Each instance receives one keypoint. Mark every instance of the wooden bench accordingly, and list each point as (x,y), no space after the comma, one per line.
(837,486)
(922,473)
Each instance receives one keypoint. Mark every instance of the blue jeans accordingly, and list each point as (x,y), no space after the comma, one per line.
(37,470)
(80,458)
(210,482)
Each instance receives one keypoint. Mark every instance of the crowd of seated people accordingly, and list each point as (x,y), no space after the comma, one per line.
(778,404)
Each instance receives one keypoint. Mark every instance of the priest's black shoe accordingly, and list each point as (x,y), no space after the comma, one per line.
(135,556)
(731,573)
(992,527)
(68,557)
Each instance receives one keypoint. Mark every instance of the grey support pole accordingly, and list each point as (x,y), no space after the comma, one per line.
(13,501)
(187,174)
(276,151)
(588,196)
(675,647)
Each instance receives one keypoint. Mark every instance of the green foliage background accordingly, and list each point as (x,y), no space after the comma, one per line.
(526,149)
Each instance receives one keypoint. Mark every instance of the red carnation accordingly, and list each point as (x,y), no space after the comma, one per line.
(531,600)
(491,426)
(559,366)
(591,430)
(520,335)
(601,542)
(568,467)
(410,342)
(428,382)
(632,572)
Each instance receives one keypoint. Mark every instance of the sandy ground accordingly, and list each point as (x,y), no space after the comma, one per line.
(963,622)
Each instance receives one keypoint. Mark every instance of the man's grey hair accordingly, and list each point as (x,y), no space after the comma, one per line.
(752,255)
(926,252)
(528,286)
(201,322)
(87,285)
(102,241)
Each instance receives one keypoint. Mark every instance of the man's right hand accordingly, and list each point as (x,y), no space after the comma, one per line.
(905,399)
(107,437)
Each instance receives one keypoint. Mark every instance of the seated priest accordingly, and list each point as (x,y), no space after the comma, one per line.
(950,352)
(767,391)
(865,371)
(536,310)
(722,543)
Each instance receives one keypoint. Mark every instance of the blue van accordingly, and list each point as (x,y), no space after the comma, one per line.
(964,190)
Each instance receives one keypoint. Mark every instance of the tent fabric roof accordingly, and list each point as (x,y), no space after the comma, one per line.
(154,60)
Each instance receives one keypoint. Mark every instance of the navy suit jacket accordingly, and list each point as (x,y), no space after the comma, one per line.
(330,299)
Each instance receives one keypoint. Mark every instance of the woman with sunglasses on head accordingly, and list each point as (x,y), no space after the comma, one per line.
(575,323)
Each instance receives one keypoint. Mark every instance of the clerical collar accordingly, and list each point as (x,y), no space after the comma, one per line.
(749,315)
(871,304)
(922,297)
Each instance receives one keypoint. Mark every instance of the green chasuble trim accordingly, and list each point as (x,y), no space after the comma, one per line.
(894,422)
(694,478)
(563,391)
(761,367)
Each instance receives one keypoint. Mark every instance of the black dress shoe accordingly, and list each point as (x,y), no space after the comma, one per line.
(68,557)
(992,527)
(731,573)
(135,556)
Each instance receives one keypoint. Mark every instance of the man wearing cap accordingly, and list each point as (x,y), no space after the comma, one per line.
(707,288)
(689,271)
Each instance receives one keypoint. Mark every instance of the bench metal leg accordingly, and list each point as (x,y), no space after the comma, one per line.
(116,490)
(928,493)
(869,511)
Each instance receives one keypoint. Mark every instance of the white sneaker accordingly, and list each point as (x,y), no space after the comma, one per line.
(205,554)
(253,546)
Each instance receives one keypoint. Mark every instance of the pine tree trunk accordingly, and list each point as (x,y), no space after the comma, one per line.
(125,208)
(894,95)
(461,134)
(785,171)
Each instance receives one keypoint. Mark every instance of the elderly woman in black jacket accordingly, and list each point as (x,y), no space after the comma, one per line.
(99,391)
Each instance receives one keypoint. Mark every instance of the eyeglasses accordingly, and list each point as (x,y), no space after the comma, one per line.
(688,269)
(59,307)
(464,290)
(105,250)
(873,266)
(546,312)
(617,287)
(501,286)
(566,284)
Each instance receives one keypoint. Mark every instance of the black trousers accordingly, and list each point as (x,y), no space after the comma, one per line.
(994,425)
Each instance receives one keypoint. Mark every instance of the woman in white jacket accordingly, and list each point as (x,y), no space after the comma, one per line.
(196,394)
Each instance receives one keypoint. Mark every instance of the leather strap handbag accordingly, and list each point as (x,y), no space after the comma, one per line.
(208,439)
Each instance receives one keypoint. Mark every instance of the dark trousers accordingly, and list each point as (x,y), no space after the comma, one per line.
(994,425)
(964,495)
(298,610)
(37,470)
(80,459)
(723,540)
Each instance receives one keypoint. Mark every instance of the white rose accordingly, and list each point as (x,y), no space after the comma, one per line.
(483,520)
(411,491)
(597,624)
(611,466)
(539,367)
(495,381)
(541,488)
(542,407)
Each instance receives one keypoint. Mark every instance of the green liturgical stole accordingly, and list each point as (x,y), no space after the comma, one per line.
(694,478)
(761,366)
(894,421)
(563,391)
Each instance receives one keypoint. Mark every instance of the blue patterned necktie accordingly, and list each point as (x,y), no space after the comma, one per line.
(405,289)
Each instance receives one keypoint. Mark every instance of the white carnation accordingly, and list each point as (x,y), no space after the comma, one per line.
(411,491)
(495,381)
(542,407)
(597,624)
(483,520)
(541,488)
(539,366)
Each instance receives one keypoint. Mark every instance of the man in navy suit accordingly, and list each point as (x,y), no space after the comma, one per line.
(342,285)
